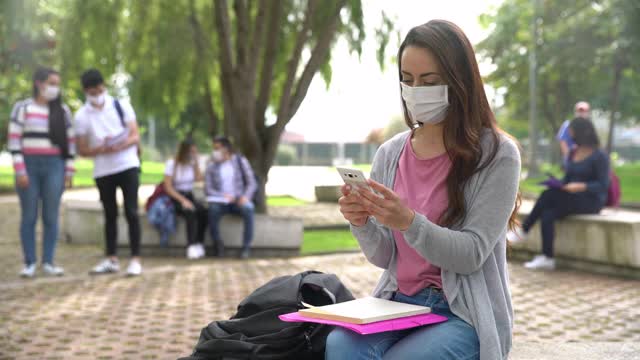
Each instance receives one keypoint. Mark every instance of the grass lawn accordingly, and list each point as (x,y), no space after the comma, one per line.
(152,173)
(321,241)
(284,201)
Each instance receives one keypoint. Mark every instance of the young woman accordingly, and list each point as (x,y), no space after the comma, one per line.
(586,183)
(179,177)
(42,142)
(447,192)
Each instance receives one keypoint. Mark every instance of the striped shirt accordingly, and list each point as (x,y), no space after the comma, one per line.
(29,135)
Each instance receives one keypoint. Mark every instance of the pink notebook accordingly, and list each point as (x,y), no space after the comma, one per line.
(373,328)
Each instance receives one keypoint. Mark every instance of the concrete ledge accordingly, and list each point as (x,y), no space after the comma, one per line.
(607,243)
(328,193)
(273,236)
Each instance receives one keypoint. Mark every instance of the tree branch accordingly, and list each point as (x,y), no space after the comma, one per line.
(242,31)
(224,38)
(292,66)
(258,37)
(318,56)
(268,61)
(201,46)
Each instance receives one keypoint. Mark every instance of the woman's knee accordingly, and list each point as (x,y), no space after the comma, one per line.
(341,344)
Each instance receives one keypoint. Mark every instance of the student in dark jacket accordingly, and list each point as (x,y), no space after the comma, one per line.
(584,192)
(230,186)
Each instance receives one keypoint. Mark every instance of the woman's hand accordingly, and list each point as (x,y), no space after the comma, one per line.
(351,207)
(388,209)
(575,187)
(23,181)
(186,204)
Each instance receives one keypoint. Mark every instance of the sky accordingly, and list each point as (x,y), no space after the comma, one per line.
(361,97)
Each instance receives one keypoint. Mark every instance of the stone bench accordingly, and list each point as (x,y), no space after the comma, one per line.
(606,243)
(273,236)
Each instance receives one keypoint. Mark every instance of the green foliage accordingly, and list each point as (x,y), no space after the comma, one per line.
(579,44)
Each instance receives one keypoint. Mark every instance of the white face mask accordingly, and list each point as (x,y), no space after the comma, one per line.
(96,100)
(50,92)
(426,104)
(217,155)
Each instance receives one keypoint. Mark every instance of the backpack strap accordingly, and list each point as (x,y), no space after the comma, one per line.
(244,176)
(120,112)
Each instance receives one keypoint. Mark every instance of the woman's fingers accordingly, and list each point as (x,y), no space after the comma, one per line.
(385,191)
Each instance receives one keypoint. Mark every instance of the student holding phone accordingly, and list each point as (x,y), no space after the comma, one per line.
(447,193)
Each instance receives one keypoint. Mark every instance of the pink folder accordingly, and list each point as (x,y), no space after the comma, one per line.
(372,328)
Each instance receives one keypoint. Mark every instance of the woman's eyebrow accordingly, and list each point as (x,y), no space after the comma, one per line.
(421,75)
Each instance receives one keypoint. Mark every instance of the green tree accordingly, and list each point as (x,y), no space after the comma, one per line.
(587,50)
(209,66)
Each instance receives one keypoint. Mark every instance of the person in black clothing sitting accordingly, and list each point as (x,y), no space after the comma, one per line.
(584,192)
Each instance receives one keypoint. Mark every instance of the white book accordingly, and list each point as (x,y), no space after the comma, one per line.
(364,311)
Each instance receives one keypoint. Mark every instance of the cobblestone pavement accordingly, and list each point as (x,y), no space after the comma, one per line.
(559,315)
(159,315)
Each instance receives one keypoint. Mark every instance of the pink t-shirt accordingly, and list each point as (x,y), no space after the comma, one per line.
(421,184)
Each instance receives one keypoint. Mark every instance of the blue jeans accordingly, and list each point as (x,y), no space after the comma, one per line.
(217,211)
(453,339)
(46,184)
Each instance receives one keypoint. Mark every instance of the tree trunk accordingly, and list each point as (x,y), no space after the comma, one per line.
(615,92)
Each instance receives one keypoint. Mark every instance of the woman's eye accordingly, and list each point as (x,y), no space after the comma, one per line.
(407,81)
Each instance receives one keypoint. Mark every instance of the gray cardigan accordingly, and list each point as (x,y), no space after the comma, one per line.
(471,255)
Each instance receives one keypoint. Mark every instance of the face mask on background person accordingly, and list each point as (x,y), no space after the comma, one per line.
(50,92)
(97,100)
(426,104)
(217,155)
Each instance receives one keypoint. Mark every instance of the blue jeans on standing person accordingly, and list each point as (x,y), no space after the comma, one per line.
(218,210)
(46,184)
(453,339)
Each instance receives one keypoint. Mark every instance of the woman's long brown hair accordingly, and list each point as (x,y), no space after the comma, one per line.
(468,114)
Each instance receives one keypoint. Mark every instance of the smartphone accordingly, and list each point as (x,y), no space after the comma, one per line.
(355,178)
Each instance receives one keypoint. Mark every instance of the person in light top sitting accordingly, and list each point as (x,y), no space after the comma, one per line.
(230,187)
(180,175)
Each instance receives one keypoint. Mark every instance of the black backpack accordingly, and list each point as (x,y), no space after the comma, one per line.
(256,332)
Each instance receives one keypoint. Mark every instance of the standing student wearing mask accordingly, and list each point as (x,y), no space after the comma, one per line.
(42,143)
(230,185)
(585,189)
(447,191)
(107,131)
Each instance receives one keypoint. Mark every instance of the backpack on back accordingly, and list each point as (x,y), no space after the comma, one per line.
(256,332)
(613,193)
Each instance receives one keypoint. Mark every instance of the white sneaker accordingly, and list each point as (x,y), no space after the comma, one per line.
(28,271)
(193,252)
(517,236)
(52,270)
(541,262)
(107,266)
(134,268)
(201,250)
